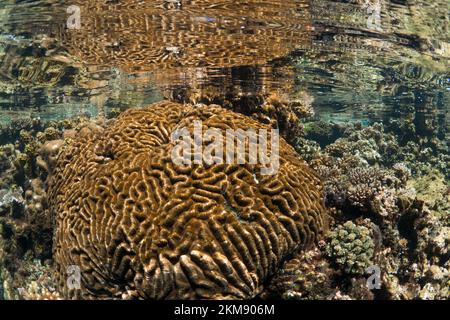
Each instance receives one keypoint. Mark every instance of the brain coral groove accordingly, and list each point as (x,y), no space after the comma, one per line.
(140,226)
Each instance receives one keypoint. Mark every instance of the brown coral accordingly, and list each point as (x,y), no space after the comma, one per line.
(138,225)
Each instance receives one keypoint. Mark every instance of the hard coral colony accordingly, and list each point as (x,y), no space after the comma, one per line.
(140,226)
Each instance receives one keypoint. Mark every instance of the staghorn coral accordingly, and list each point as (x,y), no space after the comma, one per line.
(351,247)
(138,225)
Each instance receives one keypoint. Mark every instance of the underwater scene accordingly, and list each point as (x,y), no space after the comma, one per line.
(225,149)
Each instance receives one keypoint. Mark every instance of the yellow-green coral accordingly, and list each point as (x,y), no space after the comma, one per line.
(351,247)
(138,225)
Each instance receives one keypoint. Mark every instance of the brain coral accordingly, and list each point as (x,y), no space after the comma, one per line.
(139,226)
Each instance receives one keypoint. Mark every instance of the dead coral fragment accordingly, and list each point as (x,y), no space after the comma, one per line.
(138,225)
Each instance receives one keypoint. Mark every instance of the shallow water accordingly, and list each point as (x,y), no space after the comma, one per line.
(375,73)
(359,60)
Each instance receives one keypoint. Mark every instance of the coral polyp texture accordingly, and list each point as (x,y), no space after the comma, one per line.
(140,226)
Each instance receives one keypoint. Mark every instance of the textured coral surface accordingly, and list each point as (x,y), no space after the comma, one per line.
(140,226)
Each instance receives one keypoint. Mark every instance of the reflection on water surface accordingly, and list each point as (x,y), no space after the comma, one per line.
(358,59)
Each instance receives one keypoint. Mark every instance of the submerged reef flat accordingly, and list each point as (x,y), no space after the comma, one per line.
(155,26)
(387,197)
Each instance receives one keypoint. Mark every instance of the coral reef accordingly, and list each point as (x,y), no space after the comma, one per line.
(310,276)
(286,113)
(48,154)
(366,190)
(167,46)
(397,190)
(139,225)
(25,234)
(388,193)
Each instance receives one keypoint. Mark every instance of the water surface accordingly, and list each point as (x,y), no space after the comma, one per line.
(360,60)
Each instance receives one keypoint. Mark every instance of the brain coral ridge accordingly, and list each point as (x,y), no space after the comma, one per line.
(139,226)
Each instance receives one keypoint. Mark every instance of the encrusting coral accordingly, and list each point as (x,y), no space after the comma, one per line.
(139,225)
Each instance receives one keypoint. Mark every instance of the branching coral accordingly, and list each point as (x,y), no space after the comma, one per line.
(139,225)
(366,190)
